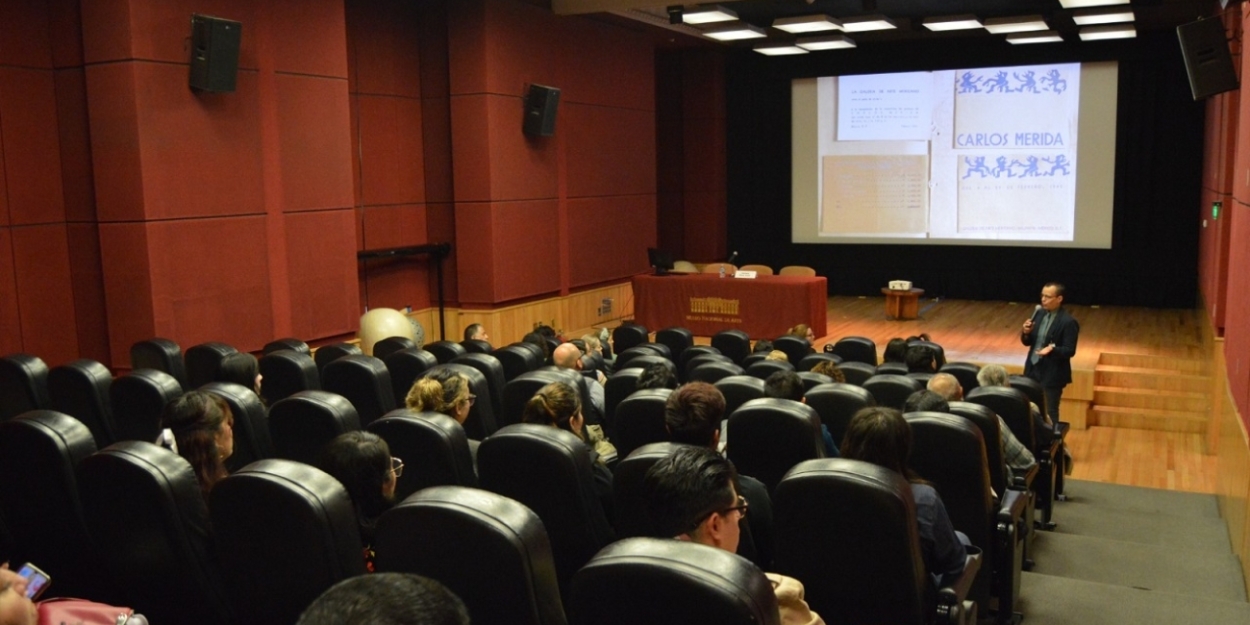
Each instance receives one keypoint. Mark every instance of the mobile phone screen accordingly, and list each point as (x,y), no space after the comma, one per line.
(36,581)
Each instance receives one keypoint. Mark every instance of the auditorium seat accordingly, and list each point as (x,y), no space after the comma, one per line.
(892,391)
(712,372)
(327,354)
(510,580)
(293,344)
(1013,407)
(302,424)
(162,355)
(252,441)
(811,379)
(891,368)
(836,403)
(629,506)
(660,349)
(476,346)
(390,345)
(516,360)
(857,372)
(753,358)
(691,352)
(740,389)
(625,358)
(492,370)
(701,360)
(619,386)
(734,344)
(549,470)
(856,349)
(137,401)
(640,420)
(847,529)
(768,436)
(405,367)
(660,581)
(434,448)
(965,372)
(203,361)
(628,335)
(517,392)
(445,351)
(1032,389)
(678,340)
(797,270)
(23,385)
(939,354)
(810,360)
(481,421)
(760,270)
(80,389)
(766,368)
(922,377)
(795,348)
(364,381)
(143,506)
(593,415)
(285,373)
(285,532)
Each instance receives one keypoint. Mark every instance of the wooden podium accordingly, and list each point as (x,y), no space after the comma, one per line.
(902,304)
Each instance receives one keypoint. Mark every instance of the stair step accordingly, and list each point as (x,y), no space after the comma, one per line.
(1158,379)
(1149,419)
(1150,361)
(1182,401)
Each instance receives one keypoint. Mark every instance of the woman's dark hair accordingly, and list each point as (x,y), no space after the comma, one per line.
(656,375)
(881,436)
(762,345)
(239,368)
(895,351)
(195,418)
(361,462)
(534,338)
(554,404)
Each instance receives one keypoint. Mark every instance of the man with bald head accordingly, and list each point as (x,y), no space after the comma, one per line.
(567,356)
(1016,456)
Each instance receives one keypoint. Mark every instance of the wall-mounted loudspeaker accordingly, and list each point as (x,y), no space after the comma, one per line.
(540,111)
(214,53)
(1207,60)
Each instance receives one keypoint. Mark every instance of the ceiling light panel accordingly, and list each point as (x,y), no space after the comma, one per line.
(1041,36)
(1111,15)
(836,41)
(734,32)
(1114,31)
(1082,4)
(952,22)
(778,49)
(866,23)
(708,15)
(807,23)
(1021,24)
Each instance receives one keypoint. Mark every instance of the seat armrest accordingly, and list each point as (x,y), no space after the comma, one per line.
(1024,482)
(1012,506)
(1061,429)
(952,607)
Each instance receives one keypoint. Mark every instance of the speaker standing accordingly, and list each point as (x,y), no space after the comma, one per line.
(1051,335)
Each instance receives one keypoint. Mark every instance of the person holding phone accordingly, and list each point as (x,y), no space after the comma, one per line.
(16,608)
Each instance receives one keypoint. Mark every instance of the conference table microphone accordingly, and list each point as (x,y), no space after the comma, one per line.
(732,257)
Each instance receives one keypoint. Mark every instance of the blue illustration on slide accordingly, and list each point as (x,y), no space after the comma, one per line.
(1030,167)
(1018,82)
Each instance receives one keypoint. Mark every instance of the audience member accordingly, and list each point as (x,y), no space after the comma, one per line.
(363,464)
(788,385)
(476,332)
(803,331)
(920,359)
(656,375)
(777,355)
(445,391)
(17,609)
(559,405)
(240,368)
(386,599)
(996,375)
(881,436)
(895,351)
(534,338)
(829,368)
(1016,457)
(199,427)
(691,495)
(762,346)
(926,401)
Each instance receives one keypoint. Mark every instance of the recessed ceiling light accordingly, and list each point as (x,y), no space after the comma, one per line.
(836,41)
(807,23)
(952,22)
(778,49)
(1041,36)
(866,23)
(1109,15)
(1021,24)
(708,15)
(1081,4)
(1114,31)
(735,31)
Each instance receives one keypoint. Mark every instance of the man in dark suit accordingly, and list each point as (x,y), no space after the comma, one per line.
(1051,335)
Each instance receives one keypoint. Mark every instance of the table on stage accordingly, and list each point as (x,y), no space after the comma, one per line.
(902,304)
(764,307)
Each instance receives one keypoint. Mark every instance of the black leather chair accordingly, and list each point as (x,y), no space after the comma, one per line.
(796,348)
(405,366)
(518,391)
(734,344)
(285,532)
(516,359)
(625,357)
(1013,407)
(740,389)
(481,421)
(768,436)
(80,389)
(137,401)
(628,335)
(753,358)
(811,380)
(160,549)
(162,355)
(364,381)
(203,361)
(629,506)
(292,344)
(510,577)
(810,360)
(713,372)
(660,349)
(892,390)
(39,452)
(302,424)
(922,377)
(549,470)
(949,452)
(856,349)
(23,385)
(251,424)
(847,529)
(492,370)
(390,345)
(857,372)
(434,448)
(891,368)
(620,385)
(592,414)
(678,340)
(640,420)
(1032,389)
(327,354)
(661,581)
(476,346)
(765,368)
(965,372)
(700,360)
(445,351)
(691,352)
(286,372)
(836,403)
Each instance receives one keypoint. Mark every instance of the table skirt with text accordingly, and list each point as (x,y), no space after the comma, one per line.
(764,307)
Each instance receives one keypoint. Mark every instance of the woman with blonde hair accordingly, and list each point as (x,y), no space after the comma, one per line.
(446,392)
(803,331)
(559,405)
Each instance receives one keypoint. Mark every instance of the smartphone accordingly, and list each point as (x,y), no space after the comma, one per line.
(36,580)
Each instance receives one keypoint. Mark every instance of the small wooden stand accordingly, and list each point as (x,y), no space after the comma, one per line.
(902,304)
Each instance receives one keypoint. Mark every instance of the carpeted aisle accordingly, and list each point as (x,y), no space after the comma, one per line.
(1123,554)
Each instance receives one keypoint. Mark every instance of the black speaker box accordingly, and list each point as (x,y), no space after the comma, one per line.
(1207,60)
(214,53)
(540,111)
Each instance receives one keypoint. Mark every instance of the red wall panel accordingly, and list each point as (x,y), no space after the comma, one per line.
(396,283)
(10,320)
(45,292)
(30,143)
(115,30)
(436,143)
(24,34)
(596,138)
(315,143)
(321,257)
(65,19)
(77,179)
(392,158)
(440,219)
(705,225)
(127,287)
(605,66)
(526,255)
(308,36)
(703,164)
(471,148)
(384,53)
(87,275)
(114,124)
(609,237)
(474,251)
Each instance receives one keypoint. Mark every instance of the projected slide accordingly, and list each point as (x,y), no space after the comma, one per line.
(953,156)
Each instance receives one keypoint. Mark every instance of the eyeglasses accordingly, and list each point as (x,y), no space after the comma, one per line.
(472,399)
(397,466)
(742,507)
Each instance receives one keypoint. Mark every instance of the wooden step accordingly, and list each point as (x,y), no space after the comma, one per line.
(1181,401)
(1158,379)
(1148,419)
(1150,361)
